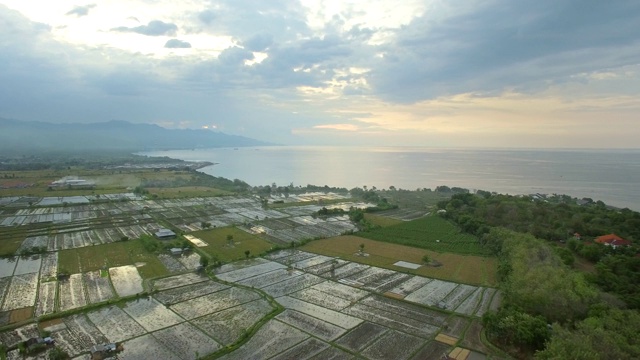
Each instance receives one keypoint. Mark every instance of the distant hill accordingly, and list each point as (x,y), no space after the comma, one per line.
(31,136)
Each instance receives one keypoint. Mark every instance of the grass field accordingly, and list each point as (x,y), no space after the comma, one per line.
(115,254)
(430,232)
(381,220)
(11,239)
(217,240)
(186,191)
(468,269)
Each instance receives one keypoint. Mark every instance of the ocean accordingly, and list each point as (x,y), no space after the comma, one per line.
(612,176)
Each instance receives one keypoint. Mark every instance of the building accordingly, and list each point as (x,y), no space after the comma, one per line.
(175,251)
(612,240)
(164,234)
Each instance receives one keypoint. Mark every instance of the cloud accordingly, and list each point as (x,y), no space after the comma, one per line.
(80,11)
(154,28)
(258,42)
(177,44)
(339,127)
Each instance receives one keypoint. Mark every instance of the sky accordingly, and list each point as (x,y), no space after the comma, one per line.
(546,73)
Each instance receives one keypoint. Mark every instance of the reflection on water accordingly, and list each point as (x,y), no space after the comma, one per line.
(607,175)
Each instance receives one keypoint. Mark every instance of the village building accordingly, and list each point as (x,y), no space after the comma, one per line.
(164,234)
(612,240)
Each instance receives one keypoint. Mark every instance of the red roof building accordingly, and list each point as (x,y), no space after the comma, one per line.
(612,240)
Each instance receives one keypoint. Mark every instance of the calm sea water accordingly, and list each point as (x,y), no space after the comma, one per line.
(612,176)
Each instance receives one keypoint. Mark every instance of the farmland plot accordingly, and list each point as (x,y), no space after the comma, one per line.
(392,320)
(237,265)
(324,269)
(15,336)
(291,285)
(393,345)
(313,261)
(27,265)
(411,285)
(4,285)
(330,316)
(98,287)
(115,324)
(405,309)
(348,270)
(272,339)
(341,291)
(468,306)
(314,296)
(485,302)
(361,336)
(432,293)
(385,284)
(294,256)
(176,295)
(191,261)
(433,350)
(186,341)
(34,241)
(332,353)
(227,326)
(49,265)
(270,278)
(146,347)
(22,292)
(316,327)
(78,336)
(370,275)
(7,266)
(211,303)
(178,280)
(46,298)
(71,293)
(458,295)
(151,314)
(303,350)
(455,326)
(244,273)
(126,280)
(496,301)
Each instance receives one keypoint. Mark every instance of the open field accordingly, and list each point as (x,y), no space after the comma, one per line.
(382,221)
(432,233)
(468,269)
(91,258)
(242,241)
(186,192)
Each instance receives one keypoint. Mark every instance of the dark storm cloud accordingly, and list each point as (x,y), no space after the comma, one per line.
(154,28)
(177,44)
(80,11)
(505,44)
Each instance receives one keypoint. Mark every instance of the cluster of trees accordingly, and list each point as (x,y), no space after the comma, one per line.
(539,289)
(555,219)
(199,179)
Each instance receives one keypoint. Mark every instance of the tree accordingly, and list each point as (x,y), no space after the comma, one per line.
(426,259)
(610,335)
(246,253)
(204,261)
(230,240)
(362,248)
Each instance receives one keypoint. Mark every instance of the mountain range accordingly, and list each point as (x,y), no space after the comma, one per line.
(28,136)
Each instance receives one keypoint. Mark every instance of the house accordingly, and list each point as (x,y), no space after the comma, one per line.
(612,240)
(164,234)
(175,251)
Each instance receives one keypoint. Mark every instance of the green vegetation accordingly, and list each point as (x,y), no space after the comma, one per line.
(430,232)
(612,334)
(93,258)
(230,244)
(381,221)
(468,269)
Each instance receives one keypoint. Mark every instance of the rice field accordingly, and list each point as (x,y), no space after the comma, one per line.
(126,280)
